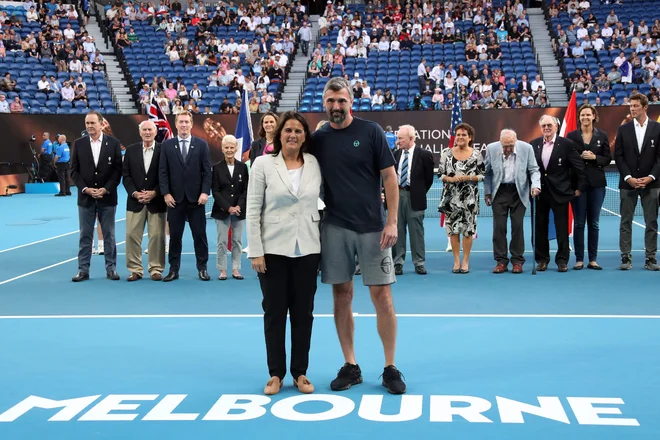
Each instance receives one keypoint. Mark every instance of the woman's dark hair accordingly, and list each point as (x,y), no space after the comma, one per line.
(262,132)
(469,129)
(277,143)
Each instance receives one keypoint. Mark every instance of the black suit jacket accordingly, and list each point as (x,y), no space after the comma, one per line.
(421,176)
(185,181)
(229,191)
(257,149)
(565,169)
(630,161)
(106,174)
(137,178)
(600,146)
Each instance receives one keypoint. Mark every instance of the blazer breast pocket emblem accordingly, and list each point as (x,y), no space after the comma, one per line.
(109,160)
(560,161)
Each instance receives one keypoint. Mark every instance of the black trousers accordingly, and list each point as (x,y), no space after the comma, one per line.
(63,177)
(544,204)
(289,285)
(196,216)
(507,204)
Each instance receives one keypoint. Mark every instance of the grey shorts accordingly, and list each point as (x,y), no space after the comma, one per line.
(340,247)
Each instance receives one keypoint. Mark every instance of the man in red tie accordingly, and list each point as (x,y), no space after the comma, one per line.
(556,157)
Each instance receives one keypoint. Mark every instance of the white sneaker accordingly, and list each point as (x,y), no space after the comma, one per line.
(167,248)
(448,247)
(100,249)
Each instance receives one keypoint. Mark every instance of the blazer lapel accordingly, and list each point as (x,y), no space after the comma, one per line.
(555,153)
(191,149)
(538,151)
(103,155)
(283,172)
(225,169)
(415,161)
(177,149)
(140,159)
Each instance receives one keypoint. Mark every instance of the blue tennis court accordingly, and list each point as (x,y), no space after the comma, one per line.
(485,356)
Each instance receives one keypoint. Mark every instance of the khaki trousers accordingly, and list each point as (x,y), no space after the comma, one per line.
(135,222)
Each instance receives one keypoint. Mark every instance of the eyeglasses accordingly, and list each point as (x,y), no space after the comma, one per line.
(546,125)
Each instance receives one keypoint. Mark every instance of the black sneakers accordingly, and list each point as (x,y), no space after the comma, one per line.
(348,376)
(392,380)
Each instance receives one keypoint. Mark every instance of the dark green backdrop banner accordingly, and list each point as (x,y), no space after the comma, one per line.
(432,127)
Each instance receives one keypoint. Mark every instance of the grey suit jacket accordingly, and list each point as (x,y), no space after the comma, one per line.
(527,170)
(277,217)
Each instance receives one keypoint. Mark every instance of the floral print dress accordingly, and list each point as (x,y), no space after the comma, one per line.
(460,200)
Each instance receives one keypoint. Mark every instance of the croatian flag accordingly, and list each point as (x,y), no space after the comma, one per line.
(569,124)
(244,128)
(162,125)
(456,118)
(244,136)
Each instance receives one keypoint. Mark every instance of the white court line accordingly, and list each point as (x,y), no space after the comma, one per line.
(327,315)
(49,239)
(61,262)
(619,215)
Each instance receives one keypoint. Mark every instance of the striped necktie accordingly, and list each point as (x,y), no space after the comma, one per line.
(403,181)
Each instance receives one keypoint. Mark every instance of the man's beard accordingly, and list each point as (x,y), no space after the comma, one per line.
(337,116)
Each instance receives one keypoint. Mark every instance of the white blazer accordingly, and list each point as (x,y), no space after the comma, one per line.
(277,218)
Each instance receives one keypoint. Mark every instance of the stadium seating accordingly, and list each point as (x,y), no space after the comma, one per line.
(27,72)
(397,70)
(592,61)
(147,58)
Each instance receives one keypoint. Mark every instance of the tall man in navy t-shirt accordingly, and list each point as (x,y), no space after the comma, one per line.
(355,158)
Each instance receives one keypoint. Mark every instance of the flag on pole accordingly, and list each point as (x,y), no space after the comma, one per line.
(162,125)
(569,124)
(244,137)
(243,128)
(456,118)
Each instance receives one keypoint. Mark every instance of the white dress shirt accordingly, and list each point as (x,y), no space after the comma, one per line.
(640,132)
(509,166)
(410,159)
(147,156)
(96,148)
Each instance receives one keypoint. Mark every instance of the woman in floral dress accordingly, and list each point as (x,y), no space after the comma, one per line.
(461,169)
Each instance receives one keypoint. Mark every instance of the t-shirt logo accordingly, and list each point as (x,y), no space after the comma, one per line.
(356,144)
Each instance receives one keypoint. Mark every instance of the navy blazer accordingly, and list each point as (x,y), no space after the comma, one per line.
(631,161)
(565,172)
(185,181)
(137,178)
(229,190)
(600,146)
(106,174)
(421,176)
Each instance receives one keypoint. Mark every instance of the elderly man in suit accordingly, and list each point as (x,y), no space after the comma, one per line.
(637,156)
(185,182)
(415,171)
(512,175)
(96,171)
(144,204)
(558,161)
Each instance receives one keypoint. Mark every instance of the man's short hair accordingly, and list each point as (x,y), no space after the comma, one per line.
(337,84)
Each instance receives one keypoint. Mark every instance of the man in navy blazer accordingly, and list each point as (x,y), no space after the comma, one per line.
(637,156)
(96,171)
(562,179)
(185,182)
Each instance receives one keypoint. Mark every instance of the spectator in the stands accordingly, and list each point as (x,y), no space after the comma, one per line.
(17,105)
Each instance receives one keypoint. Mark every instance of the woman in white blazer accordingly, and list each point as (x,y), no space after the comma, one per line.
(285,246)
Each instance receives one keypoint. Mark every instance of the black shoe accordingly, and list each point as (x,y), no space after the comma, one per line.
(348,376)
(392,380)
(80,276)
(112,275)
(421,270)
(60,195)
(171,277)
(204,275)
(398,269)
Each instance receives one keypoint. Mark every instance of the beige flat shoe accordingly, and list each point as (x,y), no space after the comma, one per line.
(273,386)
(304,385)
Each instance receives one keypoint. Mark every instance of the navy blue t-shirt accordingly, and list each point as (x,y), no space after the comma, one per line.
(351,161)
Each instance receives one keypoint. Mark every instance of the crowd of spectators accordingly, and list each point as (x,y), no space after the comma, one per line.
(393,27)
(191,38)
(58,41)
(626,53)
